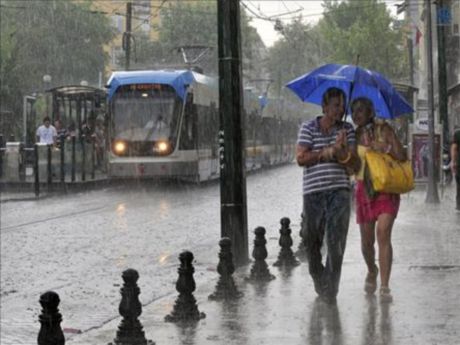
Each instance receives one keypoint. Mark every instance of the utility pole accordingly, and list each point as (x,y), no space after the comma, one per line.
(231,139)
(442,74)
(127,35)
(432,190)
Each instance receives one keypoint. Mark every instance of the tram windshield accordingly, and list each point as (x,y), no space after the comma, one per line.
(144,114)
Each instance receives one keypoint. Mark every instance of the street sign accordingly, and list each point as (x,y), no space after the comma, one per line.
(421,124)
(444,15)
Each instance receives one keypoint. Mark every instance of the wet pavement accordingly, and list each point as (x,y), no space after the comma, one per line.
(425,285)
(78,245)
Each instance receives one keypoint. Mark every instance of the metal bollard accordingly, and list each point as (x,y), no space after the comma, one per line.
(226,288)
(73,159)
(36,173)
(62,144)
(130,329)
(286,257)
(83,157)
(185,309)
(259,270)
(50,319)
(22,163)
(93,157)
(49,167)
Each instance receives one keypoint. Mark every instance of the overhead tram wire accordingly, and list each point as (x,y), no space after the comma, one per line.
(270,18)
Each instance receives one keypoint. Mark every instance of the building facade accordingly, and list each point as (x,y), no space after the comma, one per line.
(145,20)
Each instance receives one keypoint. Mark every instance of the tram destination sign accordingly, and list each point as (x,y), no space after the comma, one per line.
(146,87)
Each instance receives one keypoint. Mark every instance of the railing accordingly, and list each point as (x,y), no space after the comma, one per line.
(49,164)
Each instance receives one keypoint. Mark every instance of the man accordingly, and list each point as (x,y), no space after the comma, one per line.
(455,163)
(61,132)
(326,149)
(46,133)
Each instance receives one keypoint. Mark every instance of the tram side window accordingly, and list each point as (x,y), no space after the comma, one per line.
(207,126)
(188,130)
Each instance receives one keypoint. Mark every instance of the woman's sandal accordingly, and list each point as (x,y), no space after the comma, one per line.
(385,294)
(370,284)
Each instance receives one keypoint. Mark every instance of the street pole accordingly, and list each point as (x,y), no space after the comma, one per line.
(442,77)
(432,190)
(410,48)
(46,83)
(127,35)
(231,139)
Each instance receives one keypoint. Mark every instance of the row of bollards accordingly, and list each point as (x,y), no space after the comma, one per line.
(185,310)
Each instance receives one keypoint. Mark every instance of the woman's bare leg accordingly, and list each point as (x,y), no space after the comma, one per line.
(367,245)
(368,251)
(384,227)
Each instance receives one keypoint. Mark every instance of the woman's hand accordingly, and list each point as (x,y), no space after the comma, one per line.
(341,139)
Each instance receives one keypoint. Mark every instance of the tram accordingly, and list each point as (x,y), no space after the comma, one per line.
(165,123)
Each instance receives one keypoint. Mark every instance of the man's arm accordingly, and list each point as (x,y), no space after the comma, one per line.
(306,157)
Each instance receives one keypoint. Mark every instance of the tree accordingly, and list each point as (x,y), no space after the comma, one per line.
(60,38)
(195,23)
(366,29)
(298,51)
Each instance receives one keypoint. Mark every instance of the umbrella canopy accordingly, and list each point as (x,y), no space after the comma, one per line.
(355,82)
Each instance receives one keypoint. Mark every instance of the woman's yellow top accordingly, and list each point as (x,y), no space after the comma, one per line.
(362,153)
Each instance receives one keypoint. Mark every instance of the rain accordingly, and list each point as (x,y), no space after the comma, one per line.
(143,156)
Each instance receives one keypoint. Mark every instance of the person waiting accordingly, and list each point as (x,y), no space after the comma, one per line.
(46,133)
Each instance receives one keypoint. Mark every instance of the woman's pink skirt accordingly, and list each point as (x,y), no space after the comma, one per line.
(368,209)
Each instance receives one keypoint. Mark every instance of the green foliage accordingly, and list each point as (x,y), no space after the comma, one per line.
(348,29)
(60,38)
(186,23)
(298,51)
(365,29)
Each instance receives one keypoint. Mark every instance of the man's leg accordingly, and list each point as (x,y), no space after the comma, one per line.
(337,221)
(312,235)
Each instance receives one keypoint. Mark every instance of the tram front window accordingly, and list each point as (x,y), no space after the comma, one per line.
(144,116)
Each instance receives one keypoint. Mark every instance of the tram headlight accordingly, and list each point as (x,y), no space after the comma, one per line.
(162,147)
(119,147)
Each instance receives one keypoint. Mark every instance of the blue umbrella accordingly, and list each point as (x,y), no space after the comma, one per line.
(355,82)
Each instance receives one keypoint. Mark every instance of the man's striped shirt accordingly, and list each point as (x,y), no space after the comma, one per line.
(325,175)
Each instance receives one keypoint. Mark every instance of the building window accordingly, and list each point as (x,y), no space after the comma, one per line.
(117,22)
(116,56)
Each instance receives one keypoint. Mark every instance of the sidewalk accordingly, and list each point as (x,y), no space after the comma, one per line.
(25,190)
(425,284)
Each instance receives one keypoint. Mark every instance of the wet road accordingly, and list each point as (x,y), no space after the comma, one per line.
(78,245)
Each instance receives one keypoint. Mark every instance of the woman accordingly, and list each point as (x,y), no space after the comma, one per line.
(376,214)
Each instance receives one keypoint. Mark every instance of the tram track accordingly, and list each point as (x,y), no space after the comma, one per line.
(66,215)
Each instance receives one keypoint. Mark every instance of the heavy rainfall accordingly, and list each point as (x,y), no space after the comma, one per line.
(171,174)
